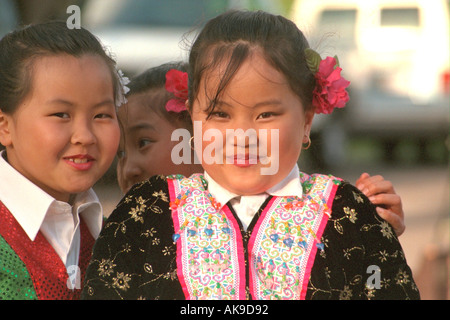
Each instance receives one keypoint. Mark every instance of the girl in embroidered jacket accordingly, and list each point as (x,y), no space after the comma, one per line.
(153,112)
(58,124)
(252,226)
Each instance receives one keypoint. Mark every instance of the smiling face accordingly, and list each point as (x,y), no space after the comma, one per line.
(146,146)
(64,135)
(258,98)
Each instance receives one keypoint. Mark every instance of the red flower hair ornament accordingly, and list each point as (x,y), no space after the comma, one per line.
(329,92)
(177,83)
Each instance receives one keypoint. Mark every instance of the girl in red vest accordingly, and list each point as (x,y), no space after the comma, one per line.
(59,92)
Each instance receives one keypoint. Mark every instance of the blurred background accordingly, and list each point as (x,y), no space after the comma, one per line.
(396,55)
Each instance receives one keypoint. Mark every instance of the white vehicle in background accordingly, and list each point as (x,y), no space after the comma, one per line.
(396,55)
(145,33)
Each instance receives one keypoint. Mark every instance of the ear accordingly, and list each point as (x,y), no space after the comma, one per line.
(309,116)
(188,107)
(5,135)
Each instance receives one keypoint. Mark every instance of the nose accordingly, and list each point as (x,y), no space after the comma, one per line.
(242,134)
(83,133)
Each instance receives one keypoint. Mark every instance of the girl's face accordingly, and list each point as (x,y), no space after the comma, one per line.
(64,135)
(146,146)
(258,98)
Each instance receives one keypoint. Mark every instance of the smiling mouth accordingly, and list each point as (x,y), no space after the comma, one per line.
(80,162)
(242,160)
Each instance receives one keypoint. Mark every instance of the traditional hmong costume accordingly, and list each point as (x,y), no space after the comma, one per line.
(170,238)
(45,245)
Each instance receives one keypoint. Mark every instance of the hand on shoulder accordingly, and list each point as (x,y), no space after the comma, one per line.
(382,194)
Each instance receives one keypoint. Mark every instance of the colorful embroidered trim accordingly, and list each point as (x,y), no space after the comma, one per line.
(210,254)
(210,261)
(285,240)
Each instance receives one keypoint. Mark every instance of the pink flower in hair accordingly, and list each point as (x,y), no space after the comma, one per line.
(330,88)
(177,83)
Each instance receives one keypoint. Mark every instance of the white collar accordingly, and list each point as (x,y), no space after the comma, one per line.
(289,186)
(29,204)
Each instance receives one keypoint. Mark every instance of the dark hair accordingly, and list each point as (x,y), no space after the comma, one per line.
(234,35)
(153,80)
(20,48)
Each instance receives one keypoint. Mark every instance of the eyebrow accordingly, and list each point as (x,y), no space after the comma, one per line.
(140,126)
(259,104)
(71,104)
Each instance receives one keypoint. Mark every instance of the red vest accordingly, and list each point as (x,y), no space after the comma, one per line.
(47,271)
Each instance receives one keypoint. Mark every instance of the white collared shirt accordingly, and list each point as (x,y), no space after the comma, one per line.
(58,221)
(247,206)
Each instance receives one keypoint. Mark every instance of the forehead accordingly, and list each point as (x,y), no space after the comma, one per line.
(255,78)
(68,63)
(254,69)
(143,110)
(78,81)
(144,104)
(64,73)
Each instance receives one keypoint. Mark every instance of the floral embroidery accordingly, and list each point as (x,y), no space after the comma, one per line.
(162,195)
(350,214)
(121,281)
(386,230)
(106,267)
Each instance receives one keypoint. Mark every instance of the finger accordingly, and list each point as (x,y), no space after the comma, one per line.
(374,187)
(363,181)
(386,199)
(393,219)
(360,181)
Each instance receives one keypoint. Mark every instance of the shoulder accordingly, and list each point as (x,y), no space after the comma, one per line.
(353,213)
(146,201)
(348,197)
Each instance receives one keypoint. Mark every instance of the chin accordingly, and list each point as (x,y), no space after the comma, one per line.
(249,186)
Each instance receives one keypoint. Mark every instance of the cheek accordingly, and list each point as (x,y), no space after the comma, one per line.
(43,136)
(159,159)
(110,139)
(290,142)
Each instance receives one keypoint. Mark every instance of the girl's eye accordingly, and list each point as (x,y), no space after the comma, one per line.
(62,115)
(120,154)
(103,116)
(219,114)
(266,115)
(144,142)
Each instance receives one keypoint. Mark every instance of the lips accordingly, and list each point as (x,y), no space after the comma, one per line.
(243,160)
(80,162)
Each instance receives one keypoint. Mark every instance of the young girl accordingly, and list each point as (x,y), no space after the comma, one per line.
(236,232)
(154,111)
(147,125)
(58,124)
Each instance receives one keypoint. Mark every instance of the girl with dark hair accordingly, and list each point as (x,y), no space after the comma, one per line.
(242,230)
(147,123)
(59,92)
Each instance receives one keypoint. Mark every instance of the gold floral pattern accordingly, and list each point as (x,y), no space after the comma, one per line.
(135,255)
